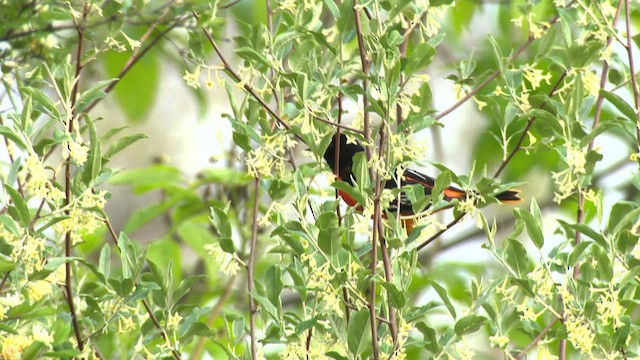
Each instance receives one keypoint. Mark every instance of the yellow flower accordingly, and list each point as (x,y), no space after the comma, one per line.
(591,82)
(33,175)
(528,313)
(545,354)
(580,336)
(192,79)
(609,308)
(75,149)
(535,76)
(499,340)
(38,289)
(228,263)
(174,321)
(13,345)
(133,44)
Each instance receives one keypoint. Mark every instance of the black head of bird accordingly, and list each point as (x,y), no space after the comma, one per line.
(347,151)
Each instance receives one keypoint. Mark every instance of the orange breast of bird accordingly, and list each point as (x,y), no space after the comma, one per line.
(349,199)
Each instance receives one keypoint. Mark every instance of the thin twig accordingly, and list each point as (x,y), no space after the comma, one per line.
(135,58)
(234,75)
(230,4)
(493,75)
(338,125)
(345,294)
(388,274)
(67,182)
(145,303)
(634,81)
(250,268)
(526,129)
(436,235)
(376,201)
(537,339)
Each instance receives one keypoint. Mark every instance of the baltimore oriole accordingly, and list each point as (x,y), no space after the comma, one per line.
(410,177)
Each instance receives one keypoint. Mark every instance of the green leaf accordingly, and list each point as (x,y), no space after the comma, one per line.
(497,53)
(603,263)
(358,333)
(122,143)
(273,283)
(127,255)
(22,211)
(95,93)
(13,136)
(622,333)
(350,190)
(430,337)
(330,234)
(397,297)
(333,8)
(93,165)
(104,264)
(361,172)
(225,176)
(185,286)
(220,221)
(442,182)
(532,222)
(620,104)
(442,292)
(43,102)
(267,306)
(136,91)
(6,263)
(469,324)
(149,178)
(577,252)
(164,251)
(420,57)
(516,256)
(303,326)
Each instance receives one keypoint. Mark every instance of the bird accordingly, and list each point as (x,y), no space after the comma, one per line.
(348,149)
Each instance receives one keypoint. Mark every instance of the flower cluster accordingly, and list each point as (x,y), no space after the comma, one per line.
(229,264)
(84,215)
(262,160)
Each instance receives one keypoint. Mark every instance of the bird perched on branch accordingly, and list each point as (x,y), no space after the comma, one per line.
(347,150)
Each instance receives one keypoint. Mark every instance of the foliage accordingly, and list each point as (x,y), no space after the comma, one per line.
(550,84)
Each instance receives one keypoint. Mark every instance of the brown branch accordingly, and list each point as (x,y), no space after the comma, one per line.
(4,280)
(338,125)
(230,4)
(634,81)
(436,235)
(237,79)
(51,28)
(526,129)
(345,294)
(376,201)
(535,341)
(388,274)
(250,268)
(67,182)
(135,57)
(493,75)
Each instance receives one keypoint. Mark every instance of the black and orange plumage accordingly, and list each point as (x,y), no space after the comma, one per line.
(347,150)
